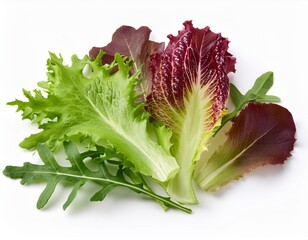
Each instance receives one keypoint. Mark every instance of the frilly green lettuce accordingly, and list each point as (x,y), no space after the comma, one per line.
(100,106)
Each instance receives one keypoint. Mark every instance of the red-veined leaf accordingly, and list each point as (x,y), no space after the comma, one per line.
(189,90)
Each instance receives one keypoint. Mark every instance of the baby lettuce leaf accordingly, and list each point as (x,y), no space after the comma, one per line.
(258,93)
(78,174)
(99,106)
(261,134)
(188,94)
(133,43)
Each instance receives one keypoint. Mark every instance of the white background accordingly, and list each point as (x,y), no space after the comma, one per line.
(271,203)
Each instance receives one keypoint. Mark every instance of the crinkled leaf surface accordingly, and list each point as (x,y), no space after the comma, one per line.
(189,92)
(133,43)
(78,174)
(261,134)
(100,107)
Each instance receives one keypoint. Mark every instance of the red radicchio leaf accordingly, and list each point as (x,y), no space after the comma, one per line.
(133,43)
(189,90)
(195,56)
(261,134)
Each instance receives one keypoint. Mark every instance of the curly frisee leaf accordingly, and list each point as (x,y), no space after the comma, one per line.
(100,106)
(261,134)
(189,92)
(78,174)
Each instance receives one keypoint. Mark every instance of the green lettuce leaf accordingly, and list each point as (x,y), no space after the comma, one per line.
(90,101)
(261,134)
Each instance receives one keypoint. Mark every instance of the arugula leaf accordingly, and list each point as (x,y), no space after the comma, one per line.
(256,94)
(78,174)
(261,134)
(189,90)
(99,106)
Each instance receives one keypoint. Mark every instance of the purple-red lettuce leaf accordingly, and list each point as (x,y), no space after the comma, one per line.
(261,134)
(133,43)
(189,91)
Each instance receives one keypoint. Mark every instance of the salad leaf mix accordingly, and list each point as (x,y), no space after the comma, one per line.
(145,115)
